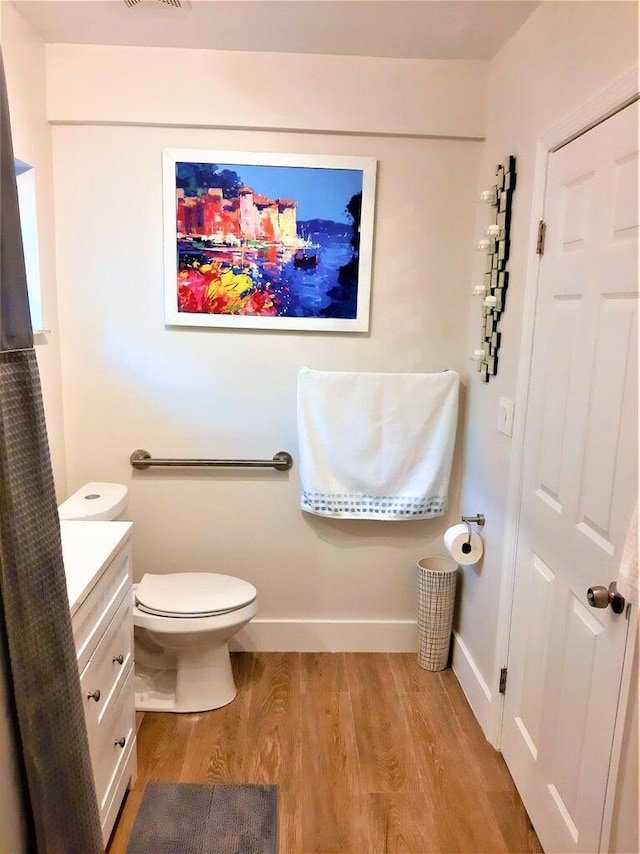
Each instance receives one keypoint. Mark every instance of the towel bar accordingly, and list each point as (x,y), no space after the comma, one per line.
(141,459)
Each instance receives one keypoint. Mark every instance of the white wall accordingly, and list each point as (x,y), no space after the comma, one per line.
(129,382)
(562,57)
(203,88)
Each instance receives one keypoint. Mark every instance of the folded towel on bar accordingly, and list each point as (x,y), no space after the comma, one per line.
(376,445)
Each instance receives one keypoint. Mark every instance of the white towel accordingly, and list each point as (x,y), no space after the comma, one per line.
(627,581)
(374,445)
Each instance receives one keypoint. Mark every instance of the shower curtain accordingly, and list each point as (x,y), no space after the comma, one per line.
(35,625)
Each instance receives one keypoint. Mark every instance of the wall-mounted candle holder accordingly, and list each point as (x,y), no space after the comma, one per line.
(496,278)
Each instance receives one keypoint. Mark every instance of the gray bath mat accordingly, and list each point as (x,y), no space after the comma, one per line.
(189,818)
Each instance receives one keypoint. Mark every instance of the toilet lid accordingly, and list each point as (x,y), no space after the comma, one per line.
(192,594)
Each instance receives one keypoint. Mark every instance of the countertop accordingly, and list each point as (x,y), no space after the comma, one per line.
(87,548)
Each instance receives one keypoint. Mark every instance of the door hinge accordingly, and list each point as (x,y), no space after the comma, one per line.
(542,232)
(503,681)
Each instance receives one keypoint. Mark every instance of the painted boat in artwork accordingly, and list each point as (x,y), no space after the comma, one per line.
(306,259)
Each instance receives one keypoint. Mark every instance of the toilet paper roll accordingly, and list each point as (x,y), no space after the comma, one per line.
(455,541)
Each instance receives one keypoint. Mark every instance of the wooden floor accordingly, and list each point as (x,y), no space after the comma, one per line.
(370,753)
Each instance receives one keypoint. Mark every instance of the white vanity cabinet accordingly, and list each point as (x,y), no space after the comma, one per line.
(97,558)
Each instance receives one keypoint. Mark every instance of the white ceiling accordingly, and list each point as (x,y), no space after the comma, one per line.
(412,29)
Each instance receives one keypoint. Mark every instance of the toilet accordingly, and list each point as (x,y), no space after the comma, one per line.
(182,621)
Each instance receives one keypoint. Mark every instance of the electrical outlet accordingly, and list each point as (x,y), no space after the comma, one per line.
(505,416)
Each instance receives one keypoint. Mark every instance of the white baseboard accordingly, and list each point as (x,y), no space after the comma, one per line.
(472,683)
(327,636)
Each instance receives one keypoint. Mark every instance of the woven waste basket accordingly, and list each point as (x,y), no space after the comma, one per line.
(437,577)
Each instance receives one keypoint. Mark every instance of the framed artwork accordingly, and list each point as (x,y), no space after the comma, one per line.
(268,241)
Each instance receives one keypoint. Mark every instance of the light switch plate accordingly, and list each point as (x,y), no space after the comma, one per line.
(505,416)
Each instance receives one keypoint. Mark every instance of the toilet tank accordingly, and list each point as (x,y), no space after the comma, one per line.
(96,502)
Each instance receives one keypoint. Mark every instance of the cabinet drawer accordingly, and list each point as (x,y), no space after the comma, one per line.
(95,613)
(123,779)
(110,754)
(108,666)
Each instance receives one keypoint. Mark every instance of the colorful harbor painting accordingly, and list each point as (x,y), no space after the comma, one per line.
(268,240)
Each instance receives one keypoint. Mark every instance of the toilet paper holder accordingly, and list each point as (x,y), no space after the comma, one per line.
(478,519)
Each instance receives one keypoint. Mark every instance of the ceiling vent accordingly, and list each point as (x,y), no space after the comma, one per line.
(177,4)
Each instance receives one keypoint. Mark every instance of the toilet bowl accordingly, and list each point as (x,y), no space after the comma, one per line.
(182,624)
(182,621)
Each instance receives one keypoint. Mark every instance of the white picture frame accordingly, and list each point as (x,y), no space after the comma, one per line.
(257,240)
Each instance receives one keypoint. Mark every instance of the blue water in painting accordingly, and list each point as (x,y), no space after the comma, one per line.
(317,292)
(327,289)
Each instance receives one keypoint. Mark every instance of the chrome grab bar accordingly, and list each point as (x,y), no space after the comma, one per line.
(141,459)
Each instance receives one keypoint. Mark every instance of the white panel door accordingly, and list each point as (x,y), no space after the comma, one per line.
(580,486)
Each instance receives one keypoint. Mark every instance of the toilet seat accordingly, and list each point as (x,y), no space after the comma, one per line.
(192,594)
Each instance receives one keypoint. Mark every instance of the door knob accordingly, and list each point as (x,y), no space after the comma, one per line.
(601,597)
(598,597)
